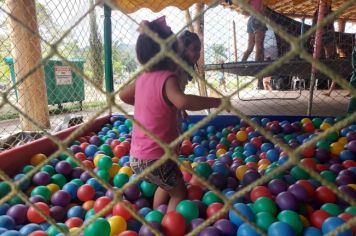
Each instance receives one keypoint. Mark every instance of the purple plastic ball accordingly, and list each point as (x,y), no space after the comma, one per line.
(76,172)
(85,176)
(18,213)
(145,231)
(37,198)
(250,176)
(60,198)
(142,202)
(347,190)
(162,208)
(344,180)
(351,136)
(288,128)
(352,146)
(226,227)
(132,193)
(218,180)
(336,168)
(322,154)
(210,231)
(299,192)
(226,159)
(201,207)
(64,168)
(287,201)
(277,186)
(232,183)
(195,223)
(58,213)
(41,178)
(76,148)
(95,140)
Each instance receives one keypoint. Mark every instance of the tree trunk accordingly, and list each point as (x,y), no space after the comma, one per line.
(96,49)
(199,29)
(188,19)
(27,54)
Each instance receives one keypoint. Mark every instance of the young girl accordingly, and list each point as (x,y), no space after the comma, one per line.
(156,96)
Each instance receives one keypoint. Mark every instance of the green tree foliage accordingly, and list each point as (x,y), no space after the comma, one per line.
(219,52)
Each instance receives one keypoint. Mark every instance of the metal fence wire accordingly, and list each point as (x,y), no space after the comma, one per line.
(70,35)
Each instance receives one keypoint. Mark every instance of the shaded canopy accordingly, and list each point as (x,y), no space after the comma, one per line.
(291,8)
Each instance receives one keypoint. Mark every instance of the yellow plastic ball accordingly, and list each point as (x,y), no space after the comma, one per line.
(37,159)
(352,186)
(74,230)
(325,126)
(220,152)
(241,136)
(53,188)
(336,148)
(97,158)
(114,170)
(126,170)
(342,140)
(115,160)
(306,120)
(185,165)
(117,225)
(194,164)
(240,171)
(263,167)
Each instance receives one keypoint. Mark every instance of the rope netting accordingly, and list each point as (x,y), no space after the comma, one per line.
(240,92)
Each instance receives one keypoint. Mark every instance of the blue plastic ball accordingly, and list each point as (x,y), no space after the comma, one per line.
(27,229)
(123,129)
(199,151)
(266,146)
(246,230)
(25,184)
(347,155)
(250,147)
(212,144)
(196,139)
(2,230)
(333,222)
(90,150)
(280,229)
(210,129)
(3,208)
(97,186)
(44,226)
(272,155)
(211,157)
(311,231)
(11,233)
(264,121)
(72,189)
(144,211)
(7,222)
(123,160)
(134,225)
(243,209)
(76,211)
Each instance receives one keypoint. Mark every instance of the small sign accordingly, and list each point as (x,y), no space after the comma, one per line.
(63,75)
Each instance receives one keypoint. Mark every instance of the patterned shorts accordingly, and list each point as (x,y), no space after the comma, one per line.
(166,176)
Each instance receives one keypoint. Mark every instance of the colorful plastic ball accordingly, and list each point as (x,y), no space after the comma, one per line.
(225,227)
(41,191)
(4,208)
(199,151)
(145,231)
(264,220)
(244,210)
(210,197)
(7,222)
(38,233)
(147,189)
(241,136)
(331,208)
(60,198)
(325,195)
(210,231)
(347,155)
(299,192)
(240,172)
(352,146)
(74,222)
(260,191)
(72,189)
(33,215)
(264,204)
(101,203)
(318,217)
(59,179)
(63,167)
(86,192)
(250,176)
(37,159)
(104,175)
(76,212)
(287,201)
(128,233)
(41,178)
(214,208)
(24,185)
(280,229)
(117,225)
(105,163)
(333,222)
(291,218)
(194,192)
(132,193)
(120,210)
(203,169)
(188,209)
(120,180)
(311,231)
(173,223)
(18,213)
(99,227)
(246,230)
(336,148)
(29,228)
(126,170)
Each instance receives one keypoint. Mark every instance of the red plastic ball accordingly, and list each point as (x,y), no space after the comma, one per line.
(260,191)
(83,146)
(213,208)
(88,164)
(86,192)
(309,163)
(318,217)
(114,143)
(252,165)
(321,167)
(210,162)
(173,223)
(325,195)
(101,203)
(120,210)
(308,127)
(186,149)
(74,222)
(263,155)
(220,146)
(194,192)
(308,152)
(231,137)
(81,156)
(249,129)
(256,141)
(38,233)
(186,176)
(126,145)
(33,215)
(308,186)
(119,151)
(346,217)
(349,163)
(128,233)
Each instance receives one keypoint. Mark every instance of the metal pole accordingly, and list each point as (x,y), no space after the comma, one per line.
(316,54)
(109,83)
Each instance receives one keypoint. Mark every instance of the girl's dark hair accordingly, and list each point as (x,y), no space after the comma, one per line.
(146,48)
(187,38)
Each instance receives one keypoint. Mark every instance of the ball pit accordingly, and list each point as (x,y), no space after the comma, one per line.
(229,157)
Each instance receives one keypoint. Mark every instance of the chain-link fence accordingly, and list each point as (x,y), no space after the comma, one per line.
(284,79)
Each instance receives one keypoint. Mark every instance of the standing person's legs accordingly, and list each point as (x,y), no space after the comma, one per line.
(250,46)
(259,40)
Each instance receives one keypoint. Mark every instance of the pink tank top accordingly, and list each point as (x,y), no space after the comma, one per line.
(153,112)
(257,5)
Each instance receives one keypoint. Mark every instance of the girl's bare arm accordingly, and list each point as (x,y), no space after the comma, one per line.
(127,94)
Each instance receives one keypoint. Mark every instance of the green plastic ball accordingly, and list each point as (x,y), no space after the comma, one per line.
(105,163)
(225,142)
(89,214)
(78,182)
(99,227)
(71,161)
(4,189)
(52,231)
(15,200)
(148,189)
(121,179)
(203,169)
(264,220)
(59,179)
(331,208)
(156,216)
(288,137)
(103,174)
(62,156)
(351,210)
(225,132)
(188,209)
(42,191)
(299,173)
(106,149)
(27,168)
(317,122)
(128,123)
(251,159)
(328,175)
(323,144)
(121,139)
(333,137)
(210,197)
(293,219)
(265,204)
(49,169)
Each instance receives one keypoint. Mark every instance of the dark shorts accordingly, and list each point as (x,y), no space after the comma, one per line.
(254,25)
(166,176)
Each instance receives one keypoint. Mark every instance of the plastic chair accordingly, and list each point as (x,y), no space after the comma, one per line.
(296,80)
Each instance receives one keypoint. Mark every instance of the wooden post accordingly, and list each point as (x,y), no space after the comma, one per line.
(341,25)
(188,19)
(234,33)
(27,54)
(199,26)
